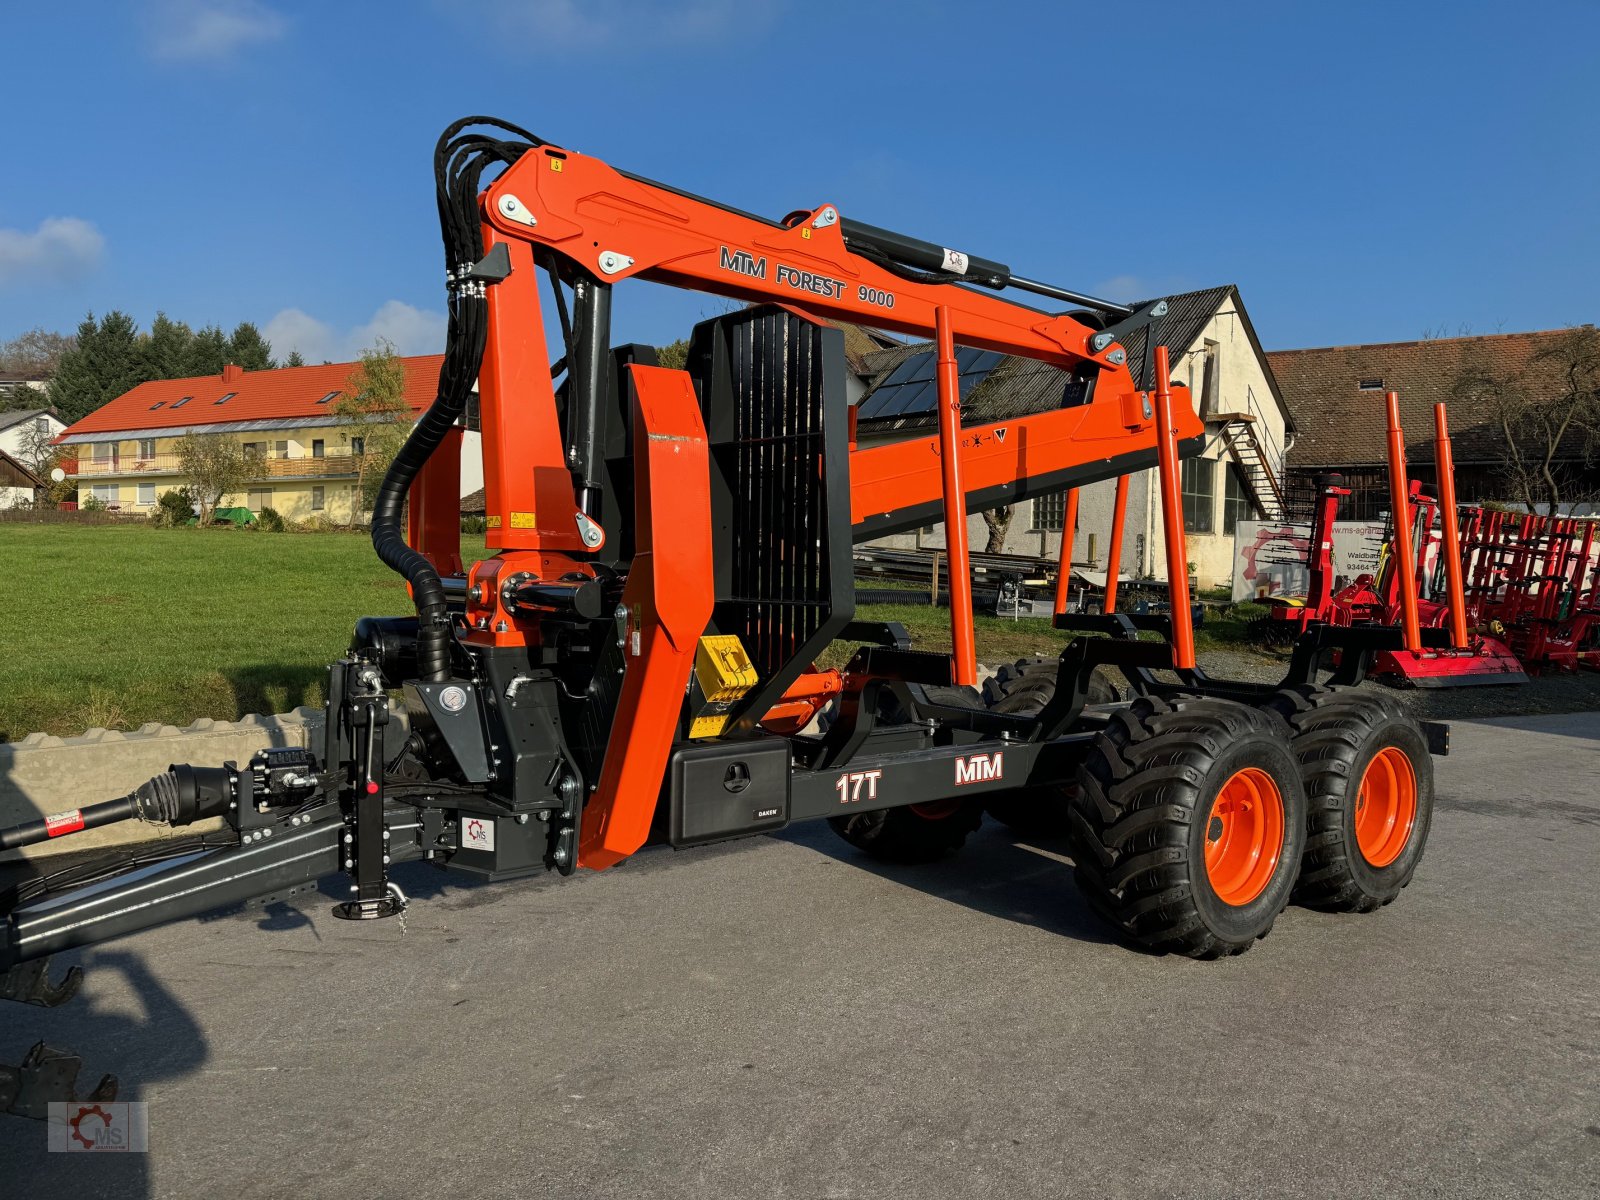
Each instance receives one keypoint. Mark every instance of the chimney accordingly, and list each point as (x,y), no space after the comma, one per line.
(230,373)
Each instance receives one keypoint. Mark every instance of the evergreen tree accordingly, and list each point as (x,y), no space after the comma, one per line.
(208,352)
(164,353)
(294,359)
(248,349)
(104,364)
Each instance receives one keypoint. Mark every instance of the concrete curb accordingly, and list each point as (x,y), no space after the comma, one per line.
(42,774)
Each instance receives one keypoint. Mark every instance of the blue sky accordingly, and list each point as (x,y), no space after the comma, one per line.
(1364,172)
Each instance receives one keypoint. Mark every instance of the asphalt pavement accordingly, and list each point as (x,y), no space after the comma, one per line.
(780,1018)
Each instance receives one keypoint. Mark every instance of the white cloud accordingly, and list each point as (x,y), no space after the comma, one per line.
(61,248)
(409,330)
(628,23)
(210,30)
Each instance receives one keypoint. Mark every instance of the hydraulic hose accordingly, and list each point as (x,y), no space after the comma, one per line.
(460,159)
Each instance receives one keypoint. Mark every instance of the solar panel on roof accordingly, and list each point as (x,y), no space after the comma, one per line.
(912,387)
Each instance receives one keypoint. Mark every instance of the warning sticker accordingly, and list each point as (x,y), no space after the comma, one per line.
(523,520)
(954,260)
(63,822)
(477,833)
(493,522)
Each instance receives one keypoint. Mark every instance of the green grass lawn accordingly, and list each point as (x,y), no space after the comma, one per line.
(116,626)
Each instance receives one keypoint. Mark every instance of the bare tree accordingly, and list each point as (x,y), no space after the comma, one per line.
(1547,416)
(216,466)
(35,449)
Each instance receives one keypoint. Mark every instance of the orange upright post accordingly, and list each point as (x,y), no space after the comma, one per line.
(1172,518)
(1450,522)
(1069,524)
(1119,511)
(1400,511)
(964,662)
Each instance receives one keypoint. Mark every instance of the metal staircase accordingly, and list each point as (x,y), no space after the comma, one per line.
(1260,474)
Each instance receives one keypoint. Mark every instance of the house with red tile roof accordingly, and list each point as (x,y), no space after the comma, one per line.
(1336,394)
(309,462)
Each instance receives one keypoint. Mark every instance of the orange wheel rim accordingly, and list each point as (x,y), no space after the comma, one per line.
(1386,806)
(1244,836)
(936,810)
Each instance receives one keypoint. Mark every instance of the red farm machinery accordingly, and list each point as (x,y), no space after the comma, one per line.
(669,554)
(1420,583)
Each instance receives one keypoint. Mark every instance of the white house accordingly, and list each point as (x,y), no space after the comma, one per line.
(1239,474)
(26,433)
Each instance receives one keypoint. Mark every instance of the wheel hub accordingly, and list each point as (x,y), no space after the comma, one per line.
(1386,806)
(1244,836)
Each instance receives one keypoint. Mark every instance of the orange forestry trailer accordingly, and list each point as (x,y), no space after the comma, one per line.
(669,556)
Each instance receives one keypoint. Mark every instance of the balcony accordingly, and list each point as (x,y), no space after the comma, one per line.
(273,466)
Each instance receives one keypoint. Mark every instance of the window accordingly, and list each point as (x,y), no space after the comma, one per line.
(329,398)
(147,493)
(281,449)
(358,445)
(1236,503)
(1371,385)
(106,493)
(225,399)
(1199,478)
(181,403)
(317,498)
(257,448)
(157,405)
(105,451)
(260,498)
(317,448)
(147,448)
(1050,512)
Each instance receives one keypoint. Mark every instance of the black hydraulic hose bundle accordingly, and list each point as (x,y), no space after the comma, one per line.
(459,162)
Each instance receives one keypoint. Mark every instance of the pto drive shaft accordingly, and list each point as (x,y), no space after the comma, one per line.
(180,796)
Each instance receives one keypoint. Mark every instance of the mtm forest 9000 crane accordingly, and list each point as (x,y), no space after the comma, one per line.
(670,555)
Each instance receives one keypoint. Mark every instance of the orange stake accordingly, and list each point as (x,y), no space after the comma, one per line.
(1400,511)
(1449,521)
(1119,510)
(1172,518)
(964,659)
(1069,524)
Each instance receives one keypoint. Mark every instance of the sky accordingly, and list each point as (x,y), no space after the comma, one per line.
(1363,171)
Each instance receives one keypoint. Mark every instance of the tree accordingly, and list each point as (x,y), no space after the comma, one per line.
(216,466)
(165,350)
(208,353)
(37,352)
(103,364)
(375,416)
(1547,416)
(248,349)
(34,448)
(674,355)
(294,359)
(998,520)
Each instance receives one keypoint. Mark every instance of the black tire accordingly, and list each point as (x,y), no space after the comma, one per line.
(907,835)
(1141,812)
(1025,687)
(1339,732)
